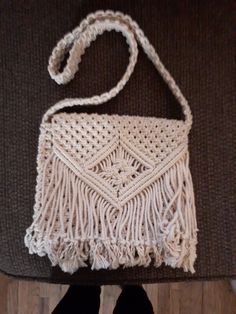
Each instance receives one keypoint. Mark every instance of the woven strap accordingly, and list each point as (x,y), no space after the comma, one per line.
(81,37)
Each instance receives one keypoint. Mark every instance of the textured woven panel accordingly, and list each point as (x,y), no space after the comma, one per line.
(95,131)
(195,43)
(98,143)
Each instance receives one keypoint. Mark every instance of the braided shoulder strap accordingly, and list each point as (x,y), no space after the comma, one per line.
(81,37)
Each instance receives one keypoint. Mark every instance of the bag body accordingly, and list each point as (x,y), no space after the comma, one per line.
(112,190)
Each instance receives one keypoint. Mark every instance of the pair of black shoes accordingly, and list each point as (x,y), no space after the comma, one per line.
(86,300)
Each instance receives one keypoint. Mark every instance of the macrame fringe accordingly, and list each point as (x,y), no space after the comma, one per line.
(76,225)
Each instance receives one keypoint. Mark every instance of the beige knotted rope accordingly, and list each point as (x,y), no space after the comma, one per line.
(112,190)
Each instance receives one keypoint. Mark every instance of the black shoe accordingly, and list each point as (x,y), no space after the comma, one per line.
(133,300)
(79,300)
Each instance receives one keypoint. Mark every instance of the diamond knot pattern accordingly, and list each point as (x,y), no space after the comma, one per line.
(120,166)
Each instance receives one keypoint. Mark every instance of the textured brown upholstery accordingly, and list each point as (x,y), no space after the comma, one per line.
(195,42)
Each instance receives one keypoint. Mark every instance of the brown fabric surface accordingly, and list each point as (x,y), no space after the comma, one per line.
(195,41)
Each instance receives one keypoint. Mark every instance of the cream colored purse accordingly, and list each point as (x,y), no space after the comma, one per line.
(112,190)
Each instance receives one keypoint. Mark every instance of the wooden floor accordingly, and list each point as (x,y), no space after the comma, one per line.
(21,297)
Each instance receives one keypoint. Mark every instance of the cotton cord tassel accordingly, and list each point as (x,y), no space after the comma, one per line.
(76,226)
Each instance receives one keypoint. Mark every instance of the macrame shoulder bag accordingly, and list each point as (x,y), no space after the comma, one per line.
(112,190)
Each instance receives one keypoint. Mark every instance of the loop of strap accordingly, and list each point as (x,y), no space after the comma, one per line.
(81,37)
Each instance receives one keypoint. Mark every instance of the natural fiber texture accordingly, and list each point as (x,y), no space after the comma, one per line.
(112,190)
(194,40)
